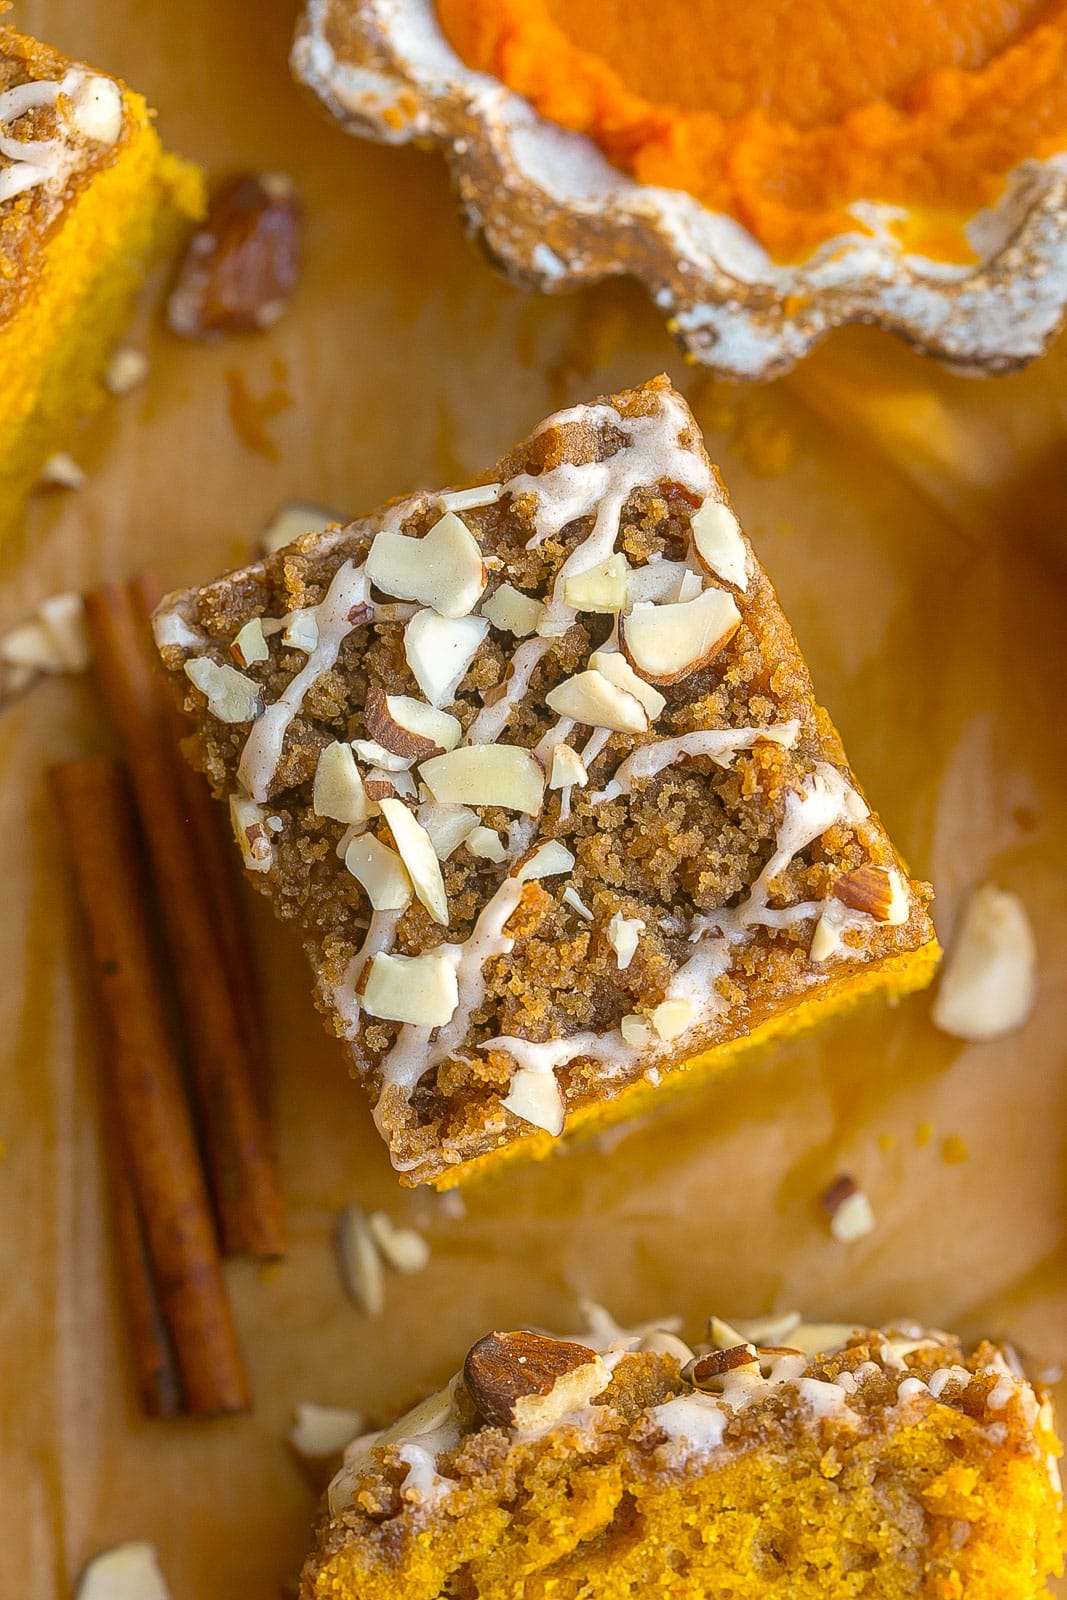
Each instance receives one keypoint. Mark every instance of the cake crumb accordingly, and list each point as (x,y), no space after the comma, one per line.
(954,1150)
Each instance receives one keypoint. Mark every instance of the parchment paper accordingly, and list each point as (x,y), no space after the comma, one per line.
(913,522)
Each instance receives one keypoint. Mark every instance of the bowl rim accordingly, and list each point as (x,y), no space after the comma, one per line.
(553,214)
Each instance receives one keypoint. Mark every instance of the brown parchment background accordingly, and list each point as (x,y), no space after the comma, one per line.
(914,523)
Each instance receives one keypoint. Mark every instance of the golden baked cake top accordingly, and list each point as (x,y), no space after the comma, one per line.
(538,766)
(777,1458)
(59,122)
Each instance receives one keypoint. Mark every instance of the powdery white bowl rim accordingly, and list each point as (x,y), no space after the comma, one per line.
(554,214)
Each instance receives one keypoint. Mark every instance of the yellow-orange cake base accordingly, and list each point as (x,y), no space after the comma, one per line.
(890,980)
(833,1464)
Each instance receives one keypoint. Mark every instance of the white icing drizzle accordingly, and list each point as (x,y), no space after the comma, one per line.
(652,453)
(694,1422)
(37,162)
(697,1422)
(379,936)
(348,592)
(593,746)
(718,743)
(412,1054)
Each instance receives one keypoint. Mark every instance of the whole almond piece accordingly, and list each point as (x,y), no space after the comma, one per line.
(529,1381)
(240,269)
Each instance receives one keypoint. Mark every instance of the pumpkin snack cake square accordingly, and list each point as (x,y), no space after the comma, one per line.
(537,766)
(777,1461)
(88,196)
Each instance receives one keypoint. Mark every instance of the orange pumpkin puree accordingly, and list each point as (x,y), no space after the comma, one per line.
(782,113)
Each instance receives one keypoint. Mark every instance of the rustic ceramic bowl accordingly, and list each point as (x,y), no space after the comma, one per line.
(554,214)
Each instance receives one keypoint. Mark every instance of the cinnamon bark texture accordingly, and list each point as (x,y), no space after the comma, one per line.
(154,1358)
(241,1159)
(213,836)
(142,1078)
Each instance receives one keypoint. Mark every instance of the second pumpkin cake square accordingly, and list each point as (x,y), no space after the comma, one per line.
(538,766)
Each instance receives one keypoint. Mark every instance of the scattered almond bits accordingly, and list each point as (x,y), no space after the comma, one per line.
(240,269)
(61,471)
(125,1572)
(360,1262)
(527,1381)
(849,1209)
(319,1432)
(989,982)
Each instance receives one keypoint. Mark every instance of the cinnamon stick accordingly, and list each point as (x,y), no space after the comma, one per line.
(142,1076)
(239,1150)
(156,1364)
(213,842)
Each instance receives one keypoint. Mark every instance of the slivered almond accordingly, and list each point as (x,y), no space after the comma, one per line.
(485,843)
(536,1098)
(513,612)
(250,644)
(989,982)
(849,1209)
(421,990)
(671,1018)
(338,790)
(528,1381)
(591,698)
(447,825)
(566,768)
(301,630)
(478,495)
(439,651)
(127,368)
(63,616)
(379,784)
(319,1432)
(252,833)
(380,871)
(718,543)
(659,581)
(601,588)
(503,775)
(666,643)
(404,1249)
(231,697)
(360,1263)
(128,1571)
(294,518)
(613,665)
(61,471)
(546,861)
(878,891)
(376,755)
(636,1031)
(623,934)
(444,569)
(409,727)
(419,857)
(709,1372)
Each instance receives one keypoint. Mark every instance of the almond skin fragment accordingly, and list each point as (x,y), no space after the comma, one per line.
(241,267)
(526,1380)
